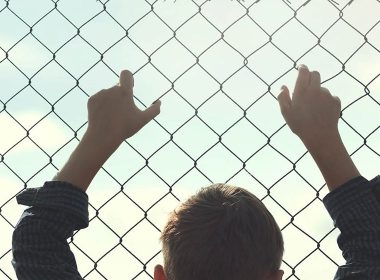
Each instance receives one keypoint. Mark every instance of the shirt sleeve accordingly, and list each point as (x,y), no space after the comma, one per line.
(355,210)
(39,243)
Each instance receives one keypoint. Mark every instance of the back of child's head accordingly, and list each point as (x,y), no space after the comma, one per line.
(222,232)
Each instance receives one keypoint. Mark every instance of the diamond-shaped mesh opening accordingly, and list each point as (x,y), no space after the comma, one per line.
(261,163)
(244,146)
(280,142)
(197,42)
(105,25)
(305,193)
(49,36)
(193,145)
(28,102)
(53,74)
(173,51)
(125,54)
(318,16)
(150,33)
(271,69)
(217,120)
(119,168)
(196,86)
(249,44)
(144,145)
(340,34)
(245,88)
(216,159)
(26,159)
(134,239)
(170,152)
(59,132)
(217,67)
(285,37)
(77,57)
(121,224)
(221,61)
(138,185)
(29,55)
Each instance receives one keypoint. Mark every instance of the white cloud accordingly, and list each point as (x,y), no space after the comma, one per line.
(48,133)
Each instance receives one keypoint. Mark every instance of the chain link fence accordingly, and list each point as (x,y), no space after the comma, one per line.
(217,66)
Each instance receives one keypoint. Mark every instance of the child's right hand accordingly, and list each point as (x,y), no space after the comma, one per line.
(312,113)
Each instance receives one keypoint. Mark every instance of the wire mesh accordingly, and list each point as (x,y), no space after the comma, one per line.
(217,67)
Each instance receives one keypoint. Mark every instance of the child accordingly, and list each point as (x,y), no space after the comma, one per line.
(222,232)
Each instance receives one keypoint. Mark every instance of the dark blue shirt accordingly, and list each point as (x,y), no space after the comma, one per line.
(40,248)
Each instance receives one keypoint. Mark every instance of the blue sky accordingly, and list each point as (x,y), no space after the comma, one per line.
(194,69)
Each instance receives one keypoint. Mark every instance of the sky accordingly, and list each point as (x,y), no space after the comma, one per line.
(208,62)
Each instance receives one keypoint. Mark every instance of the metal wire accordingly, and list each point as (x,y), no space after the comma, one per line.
(249,13)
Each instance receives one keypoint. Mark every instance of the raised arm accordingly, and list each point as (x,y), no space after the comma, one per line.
(39,244)
(112,118)
(312,113)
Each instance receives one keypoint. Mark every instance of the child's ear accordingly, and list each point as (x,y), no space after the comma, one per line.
(276,275)
(159,273)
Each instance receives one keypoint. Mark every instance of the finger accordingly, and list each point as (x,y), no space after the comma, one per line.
(325,91)
(285,101)
(303,79)
(126,80)
(315,79)
(151,112)
(338,102)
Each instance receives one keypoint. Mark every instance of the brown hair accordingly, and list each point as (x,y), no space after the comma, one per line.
(222,232)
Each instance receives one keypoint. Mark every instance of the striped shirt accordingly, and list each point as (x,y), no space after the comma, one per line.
(41,251)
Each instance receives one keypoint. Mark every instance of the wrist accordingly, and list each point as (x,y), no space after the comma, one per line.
(324,141)
(101,145)
(332,158)
(86,160)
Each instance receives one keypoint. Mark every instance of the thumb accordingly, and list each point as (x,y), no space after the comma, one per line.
(126,79)
(151,112)
(284,101)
